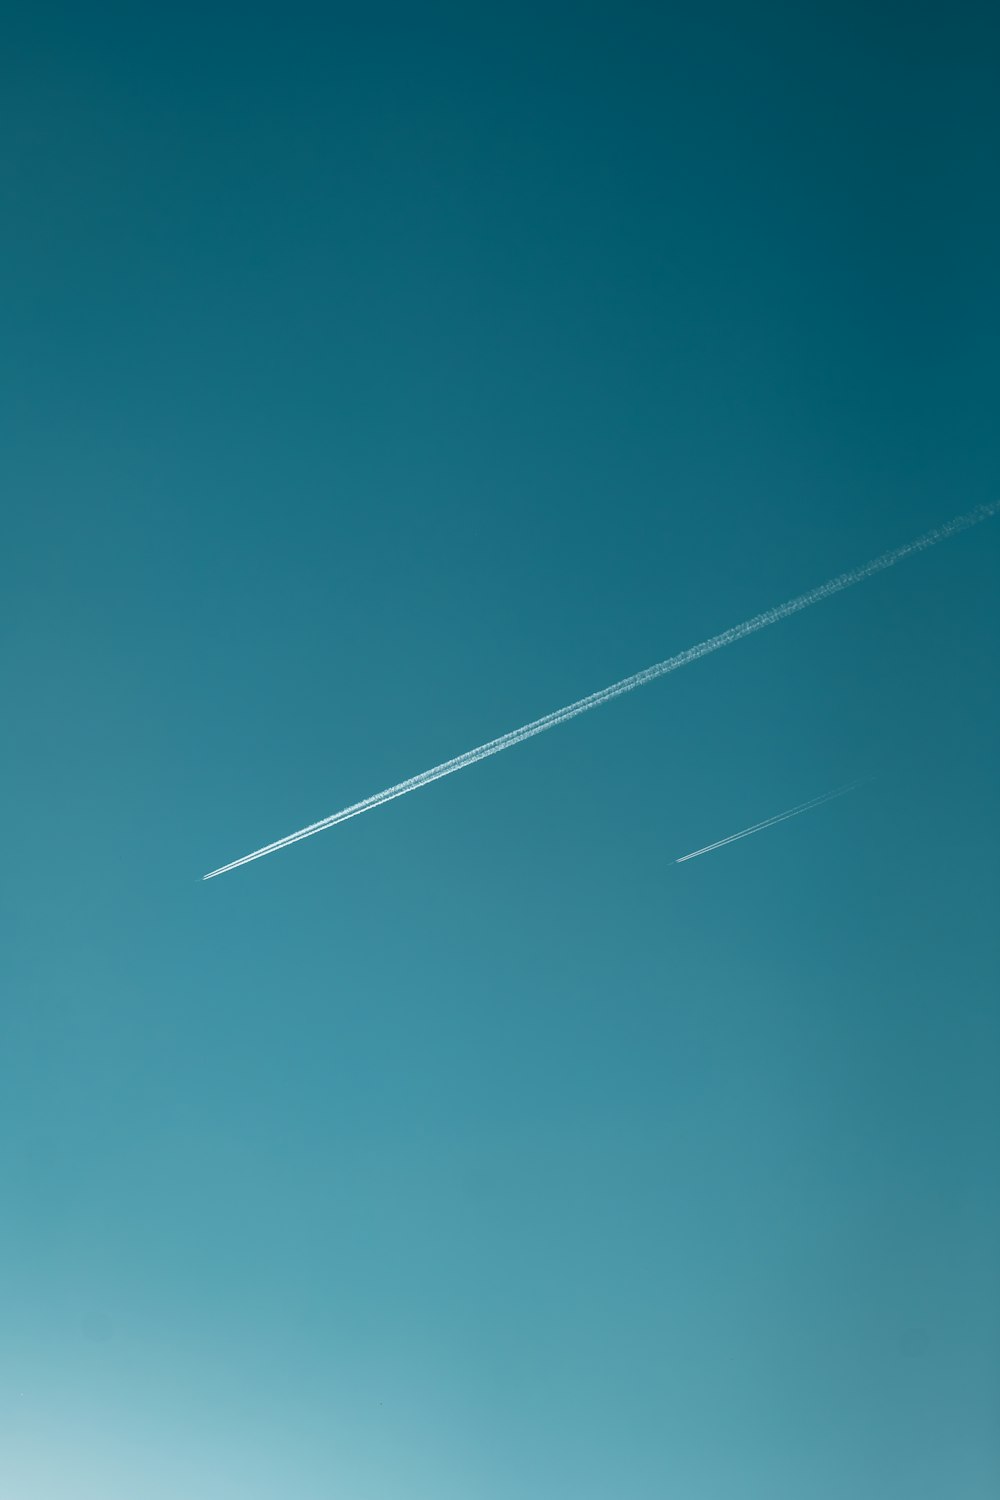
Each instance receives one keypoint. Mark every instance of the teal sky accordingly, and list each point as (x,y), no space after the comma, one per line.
(374,381)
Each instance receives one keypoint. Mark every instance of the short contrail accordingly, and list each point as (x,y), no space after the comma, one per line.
(627,684)
(792,812)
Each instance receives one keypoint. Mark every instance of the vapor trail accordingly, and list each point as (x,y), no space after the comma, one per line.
(627,684)
(793,812)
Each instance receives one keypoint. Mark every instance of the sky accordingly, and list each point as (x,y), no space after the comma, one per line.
(373,382)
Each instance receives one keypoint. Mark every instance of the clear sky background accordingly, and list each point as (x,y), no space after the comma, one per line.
(374,380)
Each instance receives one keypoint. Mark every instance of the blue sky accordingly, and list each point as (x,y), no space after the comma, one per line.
(374,383)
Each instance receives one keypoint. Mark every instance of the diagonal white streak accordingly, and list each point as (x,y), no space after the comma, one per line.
(793,812)
(628,684)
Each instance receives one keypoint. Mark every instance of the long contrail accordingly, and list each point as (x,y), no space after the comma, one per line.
(793,812)
(627,684)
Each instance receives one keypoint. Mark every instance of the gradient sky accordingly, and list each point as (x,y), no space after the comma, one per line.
(374,381)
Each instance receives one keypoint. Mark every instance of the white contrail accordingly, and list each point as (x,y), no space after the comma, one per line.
(792,812)
(627,684)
